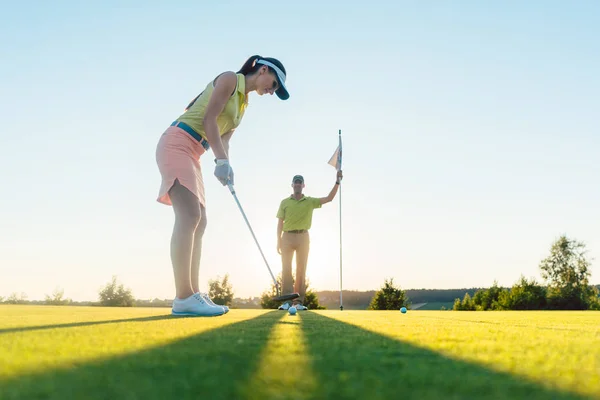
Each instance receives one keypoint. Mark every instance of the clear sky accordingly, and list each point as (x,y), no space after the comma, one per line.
(471,139)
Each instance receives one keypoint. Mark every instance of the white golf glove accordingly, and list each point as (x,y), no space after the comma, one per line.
(223,171)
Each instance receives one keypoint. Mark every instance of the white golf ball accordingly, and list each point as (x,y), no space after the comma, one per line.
(292,310)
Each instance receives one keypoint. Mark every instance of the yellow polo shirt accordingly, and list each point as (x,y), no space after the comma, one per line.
(297,214)
(230,117)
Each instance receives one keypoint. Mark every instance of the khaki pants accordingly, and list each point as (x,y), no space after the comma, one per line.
(300,243)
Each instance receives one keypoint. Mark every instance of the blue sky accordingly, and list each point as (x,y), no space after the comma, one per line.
(471,139)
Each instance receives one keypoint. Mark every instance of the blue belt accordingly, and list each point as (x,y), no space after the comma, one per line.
(192,133)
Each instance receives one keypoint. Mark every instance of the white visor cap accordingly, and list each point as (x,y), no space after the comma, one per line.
(281,92)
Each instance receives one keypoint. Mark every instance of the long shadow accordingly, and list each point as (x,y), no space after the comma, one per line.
(353,363)
(86,323)
(212,365)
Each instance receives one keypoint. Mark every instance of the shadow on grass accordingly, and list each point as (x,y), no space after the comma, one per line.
(212,365)
(353,363)
(86,323)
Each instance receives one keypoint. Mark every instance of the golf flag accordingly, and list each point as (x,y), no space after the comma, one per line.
(336,162)
(336,159)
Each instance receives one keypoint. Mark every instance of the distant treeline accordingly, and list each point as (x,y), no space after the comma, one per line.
(353,299)
(360,300)
(529,295)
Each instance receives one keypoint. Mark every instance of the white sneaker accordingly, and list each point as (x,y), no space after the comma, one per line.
(300,307)
(195,306)
(284,306)
(209,301)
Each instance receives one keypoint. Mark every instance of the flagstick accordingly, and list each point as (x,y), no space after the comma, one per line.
(341,304)
(341,301)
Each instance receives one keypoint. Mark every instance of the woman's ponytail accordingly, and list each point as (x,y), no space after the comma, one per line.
(249,66)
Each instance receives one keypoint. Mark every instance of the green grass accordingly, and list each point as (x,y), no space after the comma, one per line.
(144,353)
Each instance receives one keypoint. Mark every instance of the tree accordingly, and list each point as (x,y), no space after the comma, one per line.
(115,295)
(595,299)
(266,297)
(487,299)
(221,292)
(13,298)
(467,304)
(311,300)
(57,298)
(566,270)
(524,295)
(16,298)
(389,297)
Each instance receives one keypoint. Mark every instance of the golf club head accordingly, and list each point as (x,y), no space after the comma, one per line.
(285,297)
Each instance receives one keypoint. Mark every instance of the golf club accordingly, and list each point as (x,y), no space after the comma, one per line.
(279,297)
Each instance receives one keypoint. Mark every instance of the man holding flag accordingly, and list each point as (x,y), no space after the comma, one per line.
(295,219)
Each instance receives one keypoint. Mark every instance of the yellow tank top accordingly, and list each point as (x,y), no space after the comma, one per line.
(230,117)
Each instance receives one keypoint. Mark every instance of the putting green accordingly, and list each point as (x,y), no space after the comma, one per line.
(143,353)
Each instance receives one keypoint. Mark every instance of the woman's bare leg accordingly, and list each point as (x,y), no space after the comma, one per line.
(197,250)
(187,217)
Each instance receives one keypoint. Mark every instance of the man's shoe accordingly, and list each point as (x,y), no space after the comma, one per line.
(284,306)
(300,307)
(195,306)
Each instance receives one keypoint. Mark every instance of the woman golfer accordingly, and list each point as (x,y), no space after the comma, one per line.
(207,123)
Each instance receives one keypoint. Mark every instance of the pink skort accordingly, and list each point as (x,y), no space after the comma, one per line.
(178,157)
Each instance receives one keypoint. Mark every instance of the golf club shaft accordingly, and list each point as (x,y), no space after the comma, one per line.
(254,236)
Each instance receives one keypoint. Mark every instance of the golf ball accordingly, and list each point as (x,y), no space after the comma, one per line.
(403,310)
(292,310)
